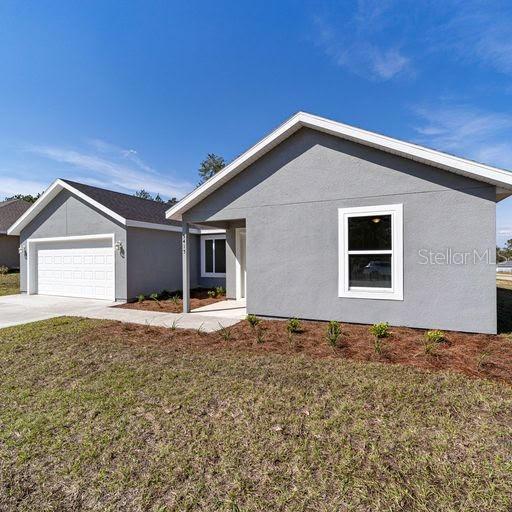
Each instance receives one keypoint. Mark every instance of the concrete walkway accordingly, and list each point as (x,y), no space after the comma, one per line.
(21,309)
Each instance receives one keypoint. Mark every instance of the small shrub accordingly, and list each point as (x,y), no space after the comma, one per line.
(380,330)
(253,320)
(174,324)
(482,360)
(175,299)
(259,335)
(430,348)
(211,294)
(294,326)
(225,333)
(141,298)
(154,296)
(435,336)
(220,291)
(333,333)
(4,270)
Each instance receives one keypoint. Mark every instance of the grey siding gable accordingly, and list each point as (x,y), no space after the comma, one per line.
(290,199)
(68,215)
(312,166)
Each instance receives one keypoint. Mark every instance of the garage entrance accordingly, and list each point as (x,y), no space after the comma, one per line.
(72,267)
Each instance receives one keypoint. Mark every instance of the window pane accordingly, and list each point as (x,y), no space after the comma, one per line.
(370,271)
(220,256)
(369,233)
(208,255)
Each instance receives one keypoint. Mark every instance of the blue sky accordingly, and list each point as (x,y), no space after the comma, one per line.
(133,94)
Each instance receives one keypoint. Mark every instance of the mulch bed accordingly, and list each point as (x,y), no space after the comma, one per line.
(475,355)
(198,298)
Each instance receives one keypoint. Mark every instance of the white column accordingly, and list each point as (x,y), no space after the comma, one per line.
(185,245)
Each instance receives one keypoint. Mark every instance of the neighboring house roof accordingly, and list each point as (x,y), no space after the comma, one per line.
(505,264)
(10,212)
(124,208)
(501,178)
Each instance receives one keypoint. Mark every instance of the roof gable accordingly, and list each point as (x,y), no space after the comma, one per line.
(125,209)
(500,178)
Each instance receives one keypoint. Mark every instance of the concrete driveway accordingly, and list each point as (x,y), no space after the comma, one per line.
(22,309)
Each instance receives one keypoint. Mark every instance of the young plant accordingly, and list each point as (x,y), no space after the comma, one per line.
(211,294)
(220,291)
(175,299)
(294,326)
(333,333)
(430,348)
(141,298)
(380,330)
(154,296)
(253,320)
(435,337)
(200,329)
(174,324)
(225,333)
(4,269)
(259,335)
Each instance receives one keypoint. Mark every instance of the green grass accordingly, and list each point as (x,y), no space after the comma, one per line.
(9,283)
(96,422)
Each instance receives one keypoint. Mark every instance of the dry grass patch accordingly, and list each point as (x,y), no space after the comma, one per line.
(9,283)
(104,416)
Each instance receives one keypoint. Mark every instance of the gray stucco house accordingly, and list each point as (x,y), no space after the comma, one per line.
(330,222)
(10,211)
(82,241)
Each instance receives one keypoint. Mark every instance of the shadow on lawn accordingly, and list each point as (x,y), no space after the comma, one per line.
(504,304)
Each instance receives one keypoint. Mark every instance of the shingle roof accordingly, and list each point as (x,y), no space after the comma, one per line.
(11,211)
(129,207)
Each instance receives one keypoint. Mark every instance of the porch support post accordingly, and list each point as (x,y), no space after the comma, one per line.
(185,245)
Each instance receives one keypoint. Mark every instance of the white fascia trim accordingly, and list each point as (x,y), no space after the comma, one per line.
(203,255)
(396,292)
(160,227)
(49,194)
(71,238)
(481,172)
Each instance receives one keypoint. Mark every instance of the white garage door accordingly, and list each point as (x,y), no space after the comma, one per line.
(80,268)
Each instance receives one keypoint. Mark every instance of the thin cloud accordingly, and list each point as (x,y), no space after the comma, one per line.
(469,132)
(477,32)
(114,167)
(352,49)
(12,186)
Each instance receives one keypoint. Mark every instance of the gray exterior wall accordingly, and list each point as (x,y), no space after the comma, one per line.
(67,215)
(290,199)
(155,262)
(9,255)
(151,261)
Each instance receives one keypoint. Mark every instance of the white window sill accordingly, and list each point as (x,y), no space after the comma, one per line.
(210,274)
(371,293)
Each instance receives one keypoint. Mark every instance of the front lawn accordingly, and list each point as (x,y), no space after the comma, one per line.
(98,415)
(9,283)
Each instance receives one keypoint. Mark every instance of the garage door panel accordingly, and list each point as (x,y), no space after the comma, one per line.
(75,270)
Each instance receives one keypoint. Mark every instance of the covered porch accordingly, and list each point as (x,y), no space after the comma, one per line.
(223,254)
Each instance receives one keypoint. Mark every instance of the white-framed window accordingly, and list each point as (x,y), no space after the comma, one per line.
(213,255)
(371,252)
